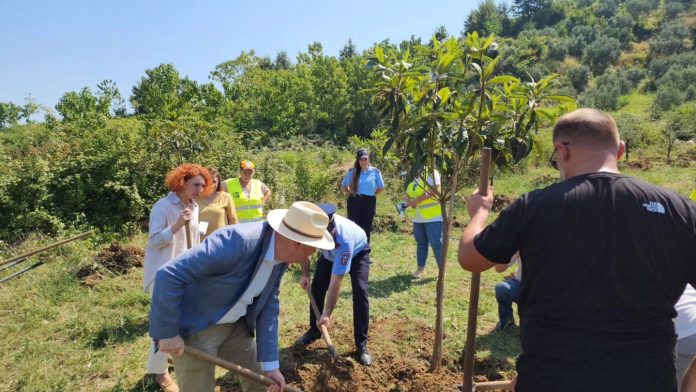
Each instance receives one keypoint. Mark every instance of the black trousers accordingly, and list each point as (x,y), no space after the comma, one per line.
(359,275)
(361,210)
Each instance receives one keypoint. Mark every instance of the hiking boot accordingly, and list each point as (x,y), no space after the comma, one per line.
(364,357)
(419,273)
(309,337)
(504,324)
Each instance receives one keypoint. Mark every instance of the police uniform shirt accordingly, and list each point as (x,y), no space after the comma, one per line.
(368,183)
(350,240)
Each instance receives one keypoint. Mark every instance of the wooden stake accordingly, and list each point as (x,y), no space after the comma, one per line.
(187,227)
(45,248)
(470,348)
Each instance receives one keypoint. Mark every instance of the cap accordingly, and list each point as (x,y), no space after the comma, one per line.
(247,165)
(362,153)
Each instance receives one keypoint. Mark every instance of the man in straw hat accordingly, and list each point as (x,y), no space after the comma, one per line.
(215,296)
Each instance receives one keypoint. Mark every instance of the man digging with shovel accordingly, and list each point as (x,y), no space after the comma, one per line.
(352,255)
(217,295)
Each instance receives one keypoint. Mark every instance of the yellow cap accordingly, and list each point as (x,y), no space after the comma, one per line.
(247,165)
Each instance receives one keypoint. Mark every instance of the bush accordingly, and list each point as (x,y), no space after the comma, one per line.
(674,37)
(580,37)
(601,53)
(660,66)
(579,76)
(607,90)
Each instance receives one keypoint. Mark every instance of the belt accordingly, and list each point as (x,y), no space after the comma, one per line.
(361,195)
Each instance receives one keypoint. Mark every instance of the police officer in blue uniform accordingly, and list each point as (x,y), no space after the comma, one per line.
(351,255)
(362,183)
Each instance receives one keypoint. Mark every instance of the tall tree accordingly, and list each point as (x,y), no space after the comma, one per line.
(10,114)
(157,93)
(486,19)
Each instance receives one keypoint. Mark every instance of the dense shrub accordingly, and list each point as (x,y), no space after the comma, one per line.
(601,53)
(673,38)
(579,76)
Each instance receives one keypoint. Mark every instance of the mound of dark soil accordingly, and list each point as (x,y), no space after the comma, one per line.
(113,260)
(388,223)
(640,165)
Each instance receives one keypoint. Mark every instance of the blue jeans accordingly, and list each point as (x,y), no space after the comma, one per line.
(427,234)
(507,292)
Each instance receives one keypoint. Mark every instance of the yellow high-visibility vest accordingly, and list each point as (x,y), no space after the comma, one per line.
(428,208)
(693,195)
(249,209)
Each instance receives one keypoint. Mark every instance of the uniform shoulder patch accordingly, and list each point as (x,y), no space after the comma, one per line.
(345,258)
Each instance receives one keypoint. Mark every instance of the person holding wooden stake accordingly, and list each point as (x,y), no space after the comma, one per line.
(167,239)
(352,256)
(606,257)
(221,297)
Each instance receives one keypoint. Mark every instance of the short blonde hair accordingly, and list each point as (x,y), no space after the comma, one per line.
(589,127)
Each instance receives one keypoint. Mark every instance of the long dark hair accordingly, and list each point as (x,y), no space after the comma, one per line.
(356,170)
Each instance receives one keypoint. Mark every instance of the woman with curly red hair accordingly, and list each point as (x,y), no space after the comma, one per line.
(167,239)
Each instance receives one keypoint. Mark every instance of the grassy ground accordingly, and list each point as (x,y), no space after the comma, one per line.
(56,335)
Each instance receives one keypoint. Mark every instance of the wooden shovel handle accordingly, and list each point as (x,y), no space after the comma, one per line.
(317,313)
(187,227)
(234,368)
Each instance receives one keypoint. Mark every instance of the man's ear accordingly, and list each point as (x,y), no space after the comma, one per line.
(622,150)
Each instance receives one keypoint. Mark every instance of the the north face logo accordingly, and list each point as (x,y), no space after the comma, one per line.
(654,206)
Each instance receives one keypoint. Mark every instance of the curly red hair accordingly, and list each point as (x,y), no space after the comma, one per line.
(182,173)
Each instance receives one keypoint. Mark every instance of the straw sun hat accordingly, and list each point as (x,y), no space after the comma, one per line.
(303,222)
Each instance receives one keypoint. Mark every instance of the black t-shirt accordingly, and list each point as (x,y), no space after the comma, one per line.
(605,258)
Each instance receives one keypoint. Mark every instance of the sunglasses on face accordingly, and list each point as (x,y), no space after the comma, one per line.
(552,159)
(364,158)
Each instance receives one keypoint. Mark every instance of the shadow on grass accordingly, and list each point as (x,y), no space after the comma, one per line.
(128,331)
(394,284)
(492,352)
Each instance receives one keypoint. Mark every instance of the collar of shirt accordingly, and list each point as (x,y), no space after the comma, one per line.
(173,198)
(270,252)
(369,169)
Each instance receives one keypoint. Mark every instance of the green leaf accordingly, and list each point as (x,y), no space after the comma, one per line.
(444,95)
(379,53)
(501,79)
(490,68)
(477,68)
(560,98)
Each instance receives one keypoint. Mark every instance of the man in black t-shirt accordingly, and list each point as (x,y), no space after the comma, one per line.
(606,257)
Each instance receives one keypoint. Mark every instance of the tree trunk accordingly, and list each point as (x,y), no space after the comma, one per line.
(436,359)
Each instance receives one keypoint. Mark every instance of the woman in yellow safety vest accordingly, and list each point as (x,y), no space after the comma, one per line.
(249,195)
(426,214)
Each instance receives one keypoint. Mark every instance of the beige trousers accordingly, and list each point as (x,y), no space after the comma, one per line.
(231,342)
(156,362)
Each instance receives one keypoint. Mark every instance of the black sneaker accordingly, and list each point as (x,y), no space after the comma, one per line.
(364,357)
(309,337)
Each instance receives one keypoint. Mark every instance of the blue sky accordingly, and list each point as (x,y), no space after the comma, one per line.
(51,47)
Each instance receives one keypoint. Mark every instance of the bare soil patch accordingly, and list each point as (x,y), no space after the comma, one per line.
(112,260)
(395,367)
